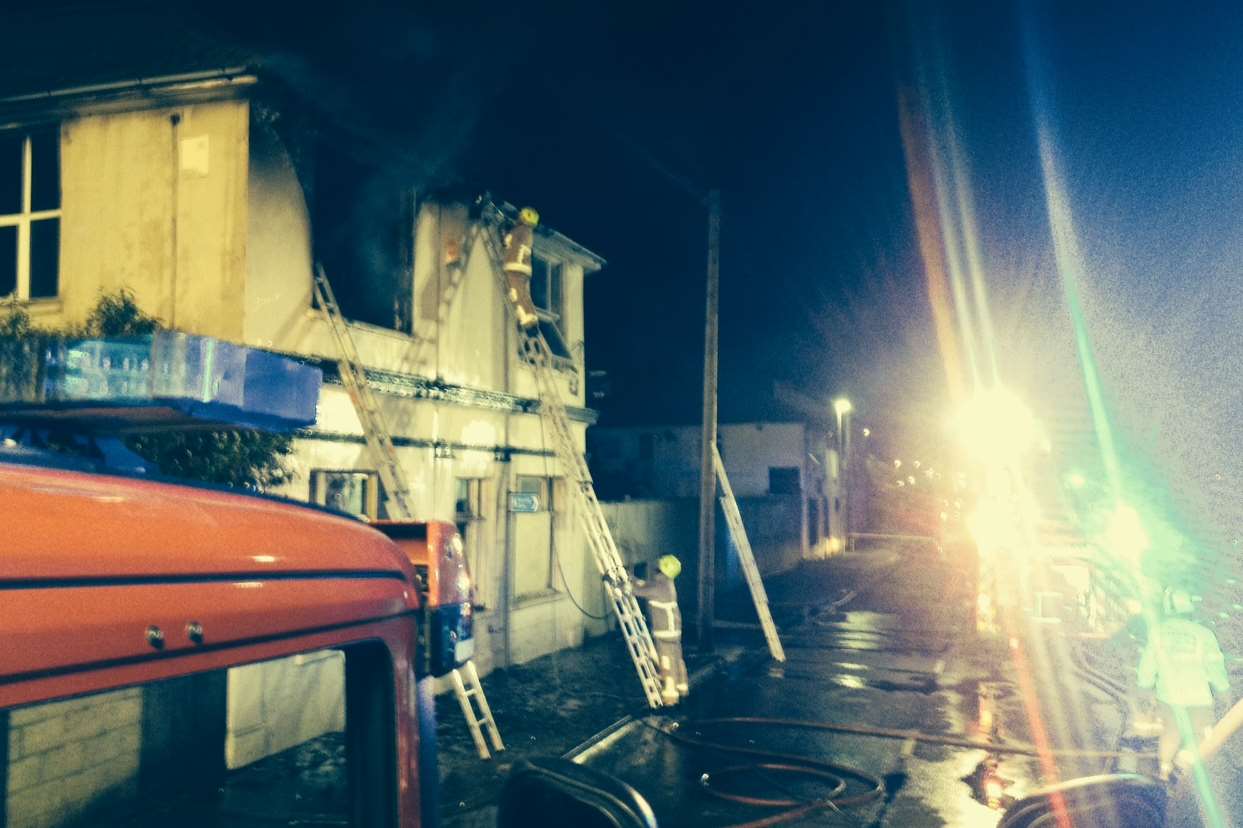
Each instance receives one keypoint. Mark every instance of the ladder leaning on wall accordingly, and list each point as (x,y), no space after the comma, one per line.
(398,498)
(616,577)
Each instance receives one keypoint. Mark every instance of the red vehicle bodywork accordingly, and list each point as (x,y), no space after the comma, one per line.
(435,550)
(92,565)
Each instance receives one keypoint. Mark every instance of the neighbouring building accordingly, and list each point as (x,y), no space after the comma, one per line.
(211,199)
(784,474)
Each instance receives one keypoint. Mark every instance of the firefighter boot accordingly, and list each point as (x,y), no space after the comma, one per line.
(520,297)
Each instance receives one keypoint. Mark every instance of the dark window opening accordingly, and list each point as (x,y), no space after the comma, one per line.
(12,148)
(363,229)
(44,170)
(647,447)
(44,258)
(8,260)
(783,480)
(30,213)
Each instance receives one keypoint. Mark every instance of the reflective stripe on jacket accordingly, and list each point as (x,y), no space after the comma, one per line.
(663,616)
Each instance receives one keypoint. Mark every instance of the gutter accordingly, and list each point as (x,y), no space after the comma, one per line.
(160,84)
(119,96)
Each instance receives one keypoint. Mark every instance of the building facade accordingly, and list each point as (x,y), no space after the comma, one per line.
(210,204)
(790,460)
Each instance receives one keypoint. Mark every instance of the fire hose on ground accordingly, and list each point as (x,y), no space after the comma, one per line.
(835,775)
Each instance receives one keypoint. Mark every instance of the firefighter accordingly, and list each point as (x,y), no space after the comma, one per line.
(518,245)
(665,623)
(1183,663)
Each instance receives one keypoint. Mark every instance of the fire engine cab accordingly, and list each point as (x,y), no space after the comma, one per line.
(176,654)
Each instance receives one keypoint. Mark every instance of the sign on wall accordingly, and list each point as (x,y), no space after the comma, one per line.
(523,502)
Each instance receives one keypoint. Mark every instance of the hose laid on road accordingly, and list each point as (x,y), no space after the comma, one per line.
(837,776)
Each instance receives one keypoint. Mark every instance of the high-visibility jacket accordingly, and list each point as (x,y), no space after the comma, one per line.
(664,617)
(1183,661)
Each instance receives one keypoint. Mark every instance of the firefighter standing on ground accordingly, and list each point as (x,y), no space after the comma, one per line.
(665,623)
(1182,662)
(519,242)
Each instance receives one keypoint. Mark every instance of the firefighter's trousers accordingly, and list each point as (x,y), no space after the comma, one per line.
(672,667)
(520,296)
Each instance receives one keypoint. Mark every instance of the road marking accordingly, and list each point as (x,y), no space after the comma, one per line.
(939,668)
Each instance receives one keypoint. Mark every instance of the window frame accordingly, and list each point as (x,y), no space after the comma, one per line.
(317,478)
(548,501)
(552,316)
(26,216)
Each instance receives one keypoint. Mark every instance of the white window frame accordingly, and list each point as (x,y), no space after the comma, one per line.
(554,314)
(22,221)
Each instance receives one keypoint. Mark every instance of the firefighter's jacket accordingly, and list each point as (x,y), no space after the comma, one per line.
(1182,660)
(518,244)
(664,617)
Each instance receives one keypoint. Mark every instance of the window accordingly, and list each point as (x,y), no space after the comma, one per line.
(30,213)
(548,294)
(467,514)
(783,480)
(155,754)
(535,536)
(647,447)
(355,492)
(362,219)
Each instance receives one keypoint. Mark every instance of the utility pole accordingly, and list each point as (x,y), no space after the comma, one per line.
(707,468)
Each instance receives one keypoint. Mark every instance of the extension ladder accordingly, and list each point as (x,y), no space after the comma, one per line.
(751,572)
(608,560)
(397,494)
(469,688)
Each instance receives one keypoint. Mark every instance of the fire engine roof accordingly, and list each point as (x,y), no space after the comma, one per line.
(70,525)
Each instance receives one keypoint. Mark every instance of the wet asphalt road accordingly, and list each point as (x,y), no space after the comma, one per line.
(899,653)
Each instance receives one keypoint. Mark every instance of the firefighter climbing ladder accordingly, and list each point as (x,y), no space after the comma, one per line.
(397,494)
(733,519)
(600,540)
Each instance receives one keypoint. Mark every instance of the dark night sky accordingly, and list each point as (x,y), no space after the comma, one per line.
(792,110)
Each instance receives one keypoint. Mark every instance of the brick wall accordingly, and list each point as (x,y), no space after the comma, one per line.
(65,755)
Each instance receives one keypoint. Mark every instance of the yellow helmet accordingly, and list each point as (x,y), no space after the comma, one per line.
(670,566)
(528,216)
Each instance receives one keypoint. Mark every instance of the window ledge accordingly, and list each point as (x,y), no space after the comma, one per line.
(35,307)
(534,599)
(367,327)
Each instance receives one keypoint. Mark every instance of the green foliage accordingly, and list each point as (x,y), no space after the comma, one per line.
(236,458)
(117,314)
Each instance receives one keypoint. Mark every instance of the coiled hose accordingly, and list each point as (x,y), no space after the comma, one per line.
(835,775)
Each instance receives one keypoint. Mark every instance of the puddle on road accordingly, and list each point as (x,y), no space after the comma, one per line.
(988,785)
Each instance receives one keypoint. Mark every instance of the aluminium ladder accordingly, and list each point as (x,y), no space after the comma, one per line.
(616,577)
(398,498)
(733,519)
(466,690)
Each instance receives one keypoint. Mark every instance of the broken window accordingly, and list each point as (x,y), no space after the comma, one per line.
(30,213)
(548,294)
(363,228)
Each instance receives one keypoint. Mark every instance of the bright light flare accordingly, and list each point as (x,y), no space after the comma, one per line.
(1125,535)
(995,426)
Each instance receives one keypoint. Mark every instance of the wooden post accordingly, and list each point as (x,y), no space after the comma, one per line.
(707,468)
